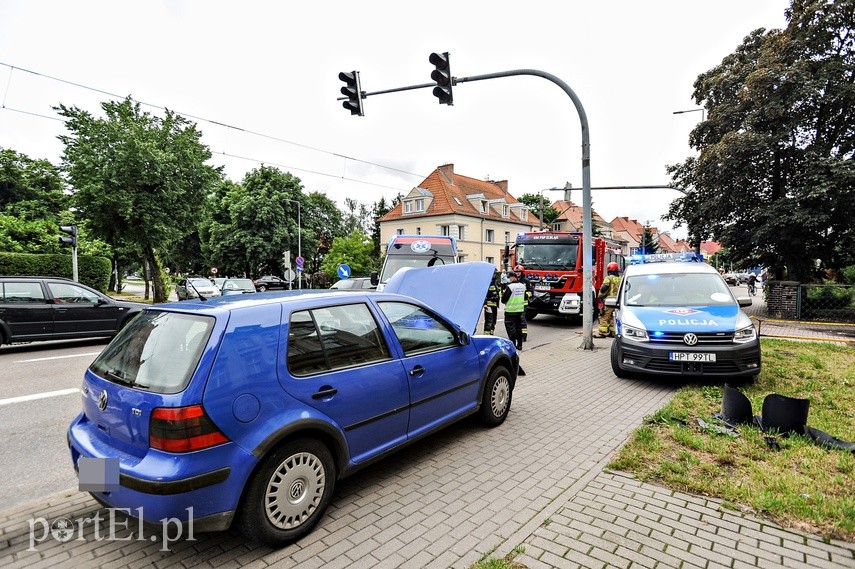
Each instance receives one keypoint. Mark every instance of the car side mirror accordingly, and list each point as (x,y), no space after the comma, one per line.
(101,301)
(743,300)
(463,338)
(375,278)
(611,301)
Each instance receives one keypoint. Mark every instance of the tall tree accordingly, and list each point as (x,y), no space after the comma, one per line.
(30,189)
(137,179)
(774,177)
(547,214)
(356,251)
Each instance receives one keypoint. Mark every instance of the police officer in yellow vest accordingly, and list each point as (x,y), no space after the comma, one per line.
(609,288)
(513,296)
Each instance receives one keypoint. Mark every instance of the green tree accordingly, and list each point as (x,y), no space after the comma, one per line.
(253,223)
(379,209)
(30,189)
(649,243)
(356,251)
(774,176)
(137,179)
(534,201)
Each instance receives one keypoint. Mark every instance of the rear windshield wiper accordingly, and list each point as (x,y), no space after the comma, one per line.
(116,375)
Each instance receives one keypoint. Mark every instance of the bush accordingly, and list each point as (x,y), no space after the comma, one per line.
(849,275)
(91,271)
(829,296)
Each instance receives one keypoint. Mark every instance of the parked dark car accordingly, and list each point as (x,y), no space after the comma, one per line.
(358,283)
(250,409)
(270,282)
(54,308)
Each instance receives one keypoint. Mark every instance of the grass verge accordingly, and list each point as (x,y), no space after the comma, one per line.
(801,486)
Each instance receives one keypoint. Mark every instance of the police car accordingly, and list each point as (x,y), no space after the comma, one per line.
(680,319)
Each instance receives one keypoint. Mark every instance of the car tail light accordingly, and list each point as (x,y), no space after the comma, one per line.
(183,429)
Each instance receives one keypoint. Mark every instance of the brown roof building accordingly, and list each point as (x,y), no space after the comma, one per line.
(480,214)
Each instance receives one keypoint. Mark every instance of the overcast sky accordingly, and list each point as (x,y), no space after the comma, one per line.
(269,71)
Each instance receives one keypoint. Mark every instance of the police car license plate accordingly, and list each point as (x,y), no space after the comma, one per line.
(691,357)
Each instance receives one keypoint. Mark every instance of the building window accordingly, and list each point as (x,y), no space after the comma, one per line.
(505,210)
(490,260)
(489,236)
(420,204)
(418,230)
(484,206)
(443,230)
(399,232)
(507,236)
(523,215)
(408,206)
(556,227)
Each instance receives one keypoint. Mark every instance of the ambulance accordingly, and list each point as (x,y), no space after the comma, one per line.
(675,317)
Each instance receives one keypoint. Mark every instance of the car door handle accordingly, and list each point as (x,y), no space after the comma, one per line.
(325,391)
(418,370)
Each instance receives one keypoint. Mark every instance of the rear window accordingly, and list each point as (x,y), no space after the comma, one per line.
(156,351)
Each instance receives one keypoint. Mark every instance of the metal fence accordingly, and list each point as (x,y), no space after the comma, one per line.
(791,300)
(826,303)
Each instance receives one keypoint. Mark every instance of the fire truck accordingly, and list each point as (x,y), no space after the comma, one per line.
(552,262)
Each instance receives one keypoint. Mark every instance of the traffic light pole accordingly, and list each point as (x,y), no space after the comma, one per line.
(587,259)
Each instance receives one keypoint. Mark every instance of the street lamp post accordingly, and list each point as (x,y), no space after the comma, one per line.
(566,189)
(299,240)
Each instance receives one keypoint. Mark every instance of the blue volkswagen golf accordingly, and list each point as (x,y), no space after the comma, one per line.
(248,409)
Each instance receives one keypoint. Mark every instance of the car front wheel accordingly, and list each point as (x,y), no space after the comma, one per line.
(615,358)
(288,494)
(261,288)
(496,401)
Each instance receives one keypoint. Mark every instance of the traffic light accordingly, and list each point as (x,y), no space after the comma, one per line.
(353,91)
(71,230)
(442,76)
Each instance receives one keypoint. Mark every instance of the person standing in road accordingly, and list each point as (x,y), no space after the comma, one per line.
(513,296)
(491,305)
(520,271)
(609,288)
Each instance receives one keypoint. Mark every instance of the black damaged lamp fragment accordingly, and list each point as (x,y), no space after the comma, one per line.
(826,440)
(784,414)
(735,407)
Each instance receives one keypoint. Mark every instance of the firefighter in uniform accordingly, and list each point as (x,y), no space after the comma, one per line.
(520,271)
(491,305)
(513,296)
(609,288)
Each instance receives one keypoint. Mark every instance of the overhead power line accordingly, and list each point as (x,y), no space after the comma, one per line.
(13,68)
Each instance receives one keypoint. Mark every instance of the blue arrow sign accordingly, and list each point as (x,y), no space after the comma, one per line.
(343,271)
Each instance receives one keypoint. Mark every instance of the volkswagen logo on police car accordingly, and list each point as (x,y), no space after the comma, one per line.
(690,339)
(102,401)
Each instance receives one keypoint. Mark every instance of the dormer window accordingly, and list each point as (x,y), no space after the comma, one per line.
(484,206)
(506,211)
(523,215)
(408,206)
(420,204)
(414,206)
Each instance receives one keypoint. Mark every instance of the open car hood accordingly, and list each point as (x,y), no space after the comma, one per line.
(456,291)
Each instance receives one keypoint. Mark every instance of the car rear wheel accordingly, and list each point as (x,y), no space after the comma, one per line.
(288,494)
(496,401)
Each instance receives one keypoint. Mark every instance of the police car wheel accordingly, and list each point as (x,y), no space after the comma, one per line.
(615,357)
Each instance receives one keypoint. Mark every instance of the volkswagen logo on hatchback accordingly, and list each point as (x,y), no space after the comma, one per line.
(102,401)
(690,339)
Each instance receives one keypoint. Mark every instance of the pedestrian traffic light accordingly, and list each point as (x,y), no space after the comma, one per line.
(71,230)
(353,91)
(443,78)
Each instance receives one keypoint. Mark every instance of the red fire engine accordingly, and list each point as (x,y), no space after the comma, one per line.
(552,262)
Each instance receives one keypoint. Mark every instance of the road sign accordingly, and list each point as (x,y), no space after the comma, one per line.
(289,275)
(299,261)
(213,270)
(343,271)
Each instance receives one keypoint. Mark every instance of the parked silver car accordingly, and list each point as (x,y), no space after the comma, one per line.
(194,287)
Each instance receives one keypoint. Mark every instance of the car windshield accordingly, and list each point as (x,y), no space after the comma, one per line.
(199,283)
(677,289)
(156,351)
